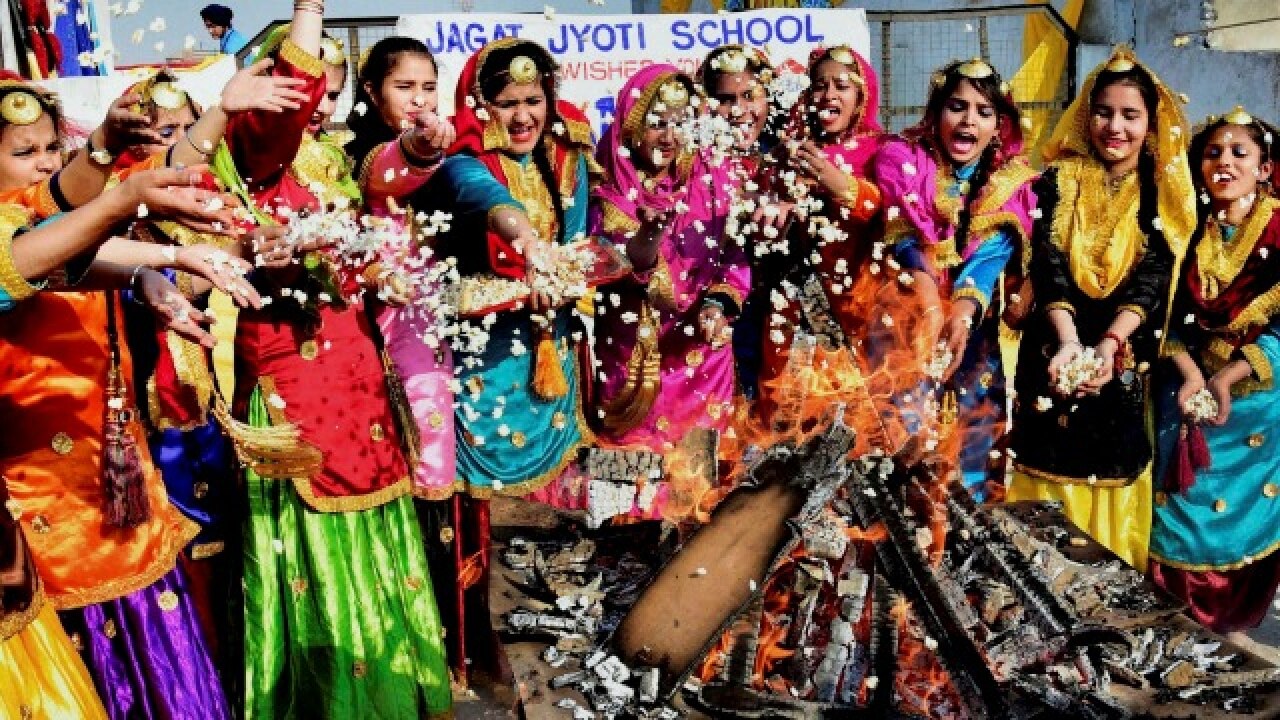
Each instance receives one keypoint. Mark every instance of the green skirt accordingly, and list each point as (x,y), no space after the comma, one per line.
(340,617)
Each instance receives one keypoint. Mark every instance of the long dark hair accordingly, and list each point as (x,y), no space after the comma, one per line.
(1008,124)
(370,129)
(1149,197)
(494,78)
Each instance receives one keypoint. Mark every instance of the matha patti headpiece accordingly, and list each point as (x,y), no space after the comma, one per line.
(1120,62)
(21,107)
(976,69)
(167,95)
(332,51)
(731,61)
(1238,116)
(674,94)
(842,54)
(523,70)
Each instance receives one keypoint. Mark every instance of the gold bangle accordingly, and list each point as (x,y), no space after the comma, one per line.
(315,6)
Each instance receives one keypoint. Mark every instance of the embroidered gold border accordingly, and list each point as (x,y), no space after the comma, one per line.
(660,289)
(1061,305)
(12,282)
(1107,482)
(973,293)
(1208,567)
(1135,309)
(293,54)
(111,590)
(203,551)
(1258,361)
(325,503)
(614,220)
(366,165)
(726,289)
(1233,255)
(633,123)
(14,623)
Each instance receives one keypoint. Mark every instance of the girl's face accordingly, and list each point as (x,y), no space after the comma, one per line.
(1119,123)
(406,91)
(172,125)
(656,148)
(1232,165)
(967,124)
(335,78)
(837,96)
(522,110)
(29,153)
(744,103)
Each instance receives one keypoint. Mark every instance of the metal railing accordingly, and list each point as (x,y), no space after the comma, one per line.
(906,47)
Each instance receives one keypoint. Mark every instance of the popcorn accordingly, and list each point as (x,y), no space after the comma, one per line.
(1201,407)
(939,362)
(1077,371)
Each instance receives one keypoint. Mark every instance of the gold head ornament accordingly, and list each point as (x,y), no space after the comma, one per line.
(168,95)
(674,95)
(1121,61)
(976,69)
(1238,116)
(842,54)
(332,51)
(523,70)
(21,107)
(733,60)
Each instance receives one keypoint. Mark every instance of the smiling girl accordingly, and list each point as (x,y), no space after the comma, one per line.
(1117,211)
(958,201)
(1217,517)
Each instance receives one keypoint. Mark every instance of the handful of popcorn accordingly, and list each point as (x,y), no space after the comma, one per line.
(938,364)
(1080,369)
(1201,407)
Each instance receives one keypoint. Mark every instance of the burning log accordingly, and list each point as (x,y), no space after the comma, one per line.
(678,617)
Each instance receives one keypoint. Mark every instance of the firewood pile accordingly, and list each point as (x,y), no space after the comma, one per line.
(831,586)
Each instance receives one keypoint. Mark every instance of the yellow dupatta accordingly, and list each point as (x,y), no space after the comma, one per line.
(1098,230)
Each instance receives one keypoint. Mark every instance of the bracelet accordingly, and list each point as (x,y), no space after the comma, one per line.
(133,282)
(1108,335)
(315,6)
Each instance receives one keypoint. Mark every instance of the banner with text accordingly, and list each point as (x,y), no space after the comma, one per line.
(598,53)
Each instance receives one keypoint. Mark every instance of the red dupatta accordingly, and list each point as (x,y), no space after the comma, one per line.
(566,137)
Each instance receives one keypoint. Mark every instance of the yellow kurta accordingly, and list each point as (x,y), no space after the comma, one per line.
(1117,517)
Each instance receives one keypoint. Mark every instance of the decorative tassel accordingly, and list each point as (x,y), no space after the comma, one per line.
(1198,449)
(277,452)
(1190,454)
(126,503)
(635,399)
(549,382)
(406,423)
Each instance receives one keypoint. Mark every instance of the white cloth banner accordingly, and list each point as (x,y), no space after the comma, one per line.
(598,53)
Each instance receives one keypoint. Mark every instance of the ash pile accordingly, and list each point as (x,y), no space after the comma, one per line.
(826,586)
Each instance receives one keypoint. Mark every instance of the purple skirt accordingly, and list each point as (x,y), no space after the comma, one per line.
(147,654)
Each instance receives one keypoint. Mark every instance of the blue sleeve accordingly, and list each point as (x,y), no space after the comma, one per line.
(976,278)
(907,253)
(473,188)
(6,302)
(575,217)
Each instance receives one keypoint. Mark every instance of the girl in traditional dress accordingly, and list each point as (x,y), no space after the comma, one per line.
(340,618)
(1216,528)
(399,142)
(664,361)
(1116,210)
(517,177)
(828,144)
(102,535)
(736,80)
(958,201)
